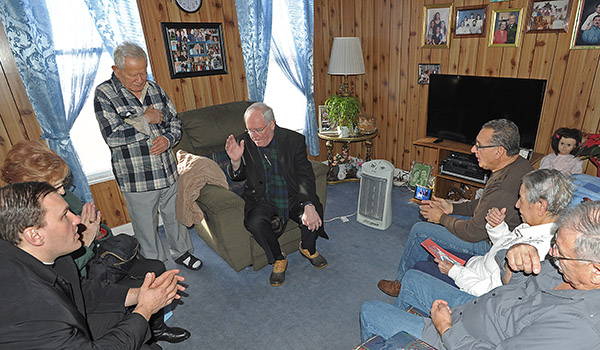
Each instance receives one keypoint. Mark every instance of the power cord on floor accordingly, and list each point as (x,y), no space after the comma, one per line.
(344,218)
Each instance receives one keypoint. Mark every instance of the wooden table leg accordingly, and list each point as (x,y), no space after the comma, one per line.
(369,144)
(329,146)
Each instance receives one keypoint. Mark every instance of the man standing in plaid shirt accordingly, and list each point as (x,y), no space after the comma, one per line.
(139,123)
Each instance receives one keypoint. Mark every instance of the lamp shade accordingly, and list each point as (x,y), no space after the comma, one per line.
(346,57)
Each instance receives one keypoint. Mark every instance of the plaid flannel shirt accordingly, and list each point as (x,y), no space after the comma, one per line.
(117,111)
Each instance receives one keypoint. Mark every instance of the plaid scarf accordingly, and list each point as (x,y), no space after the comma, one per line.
(276,188)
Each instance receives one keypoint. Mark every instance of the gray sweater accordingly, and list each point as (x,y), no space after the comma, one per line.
(525,314)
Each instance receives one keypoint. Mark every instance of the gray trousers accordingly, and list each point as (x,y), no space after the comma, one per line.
(143,208)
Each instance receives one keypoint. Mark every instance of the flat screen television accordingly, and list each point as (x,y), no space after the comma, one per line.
(458,105)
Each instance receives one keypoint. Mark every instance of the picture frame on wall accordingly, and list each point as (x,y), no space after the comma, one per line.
(194,49)
(470,21)
(425,70)
(505,27)
(549,16)
(436,28)
(326,126)
(586,32)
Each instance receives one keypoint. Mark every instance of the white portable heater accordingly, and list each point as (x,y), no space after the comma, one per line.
(375,195)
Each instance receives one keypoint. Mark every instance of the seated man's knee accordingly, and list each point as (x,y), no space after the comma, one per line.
(156,266)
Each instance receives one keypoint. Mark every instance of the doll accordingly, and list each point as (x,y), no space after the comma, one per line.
(564,143)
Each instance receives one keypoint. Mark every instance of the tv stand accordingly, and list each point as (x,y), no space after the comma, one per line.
(435,151)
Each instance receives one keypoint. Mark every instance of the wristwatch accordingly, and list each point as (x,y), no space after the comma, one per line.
(304,204)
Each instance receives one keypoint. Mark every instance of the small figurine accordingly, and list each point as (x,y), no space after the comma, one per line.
(564,142)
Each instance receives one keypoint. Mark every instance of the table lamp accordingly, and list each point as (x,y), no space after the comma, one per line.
(346,59)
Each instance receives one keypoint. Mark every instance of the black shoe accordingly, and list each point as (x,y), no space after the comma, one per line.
(192,263)
(171,334)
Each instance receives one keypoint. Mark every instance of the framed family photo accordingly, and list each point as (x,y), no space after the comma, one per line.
(549,16)
(586,33)
(419,175)
(194,49)
(437,25)
(425,70)
(505,27)
(326,126)
(470,21)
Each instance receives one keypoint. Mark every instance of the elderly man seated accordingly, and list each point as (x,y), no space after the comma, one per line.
(549,309)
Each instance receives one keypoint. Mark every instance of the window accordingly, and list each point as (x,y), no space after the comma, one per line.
(288,103)
(93,152)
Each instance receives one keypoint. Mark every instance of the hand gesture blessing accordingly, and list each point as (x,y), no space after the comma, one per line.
(234,151)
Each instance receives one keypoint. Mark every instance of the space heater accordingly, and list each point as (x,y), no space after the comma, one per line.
(375,194)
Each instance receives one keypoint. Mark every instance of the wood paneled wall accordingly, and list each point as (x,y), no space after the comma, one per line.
(191,93)
(391,35)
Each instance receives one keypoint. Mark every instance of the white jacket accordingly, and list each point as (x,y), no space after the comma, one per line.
(481,273)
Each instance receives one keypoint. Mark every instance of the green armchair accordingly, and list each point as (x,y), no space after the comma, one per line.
(204,133)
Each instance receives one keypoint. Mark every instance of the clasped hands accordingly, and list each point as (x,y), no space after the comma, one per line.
(90,218)
(433,209)
(155,293)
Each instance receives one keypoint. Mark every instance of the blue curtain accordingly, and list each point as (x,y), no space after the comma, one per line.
(29,32)
(255,22)
(298,65)
(118,21)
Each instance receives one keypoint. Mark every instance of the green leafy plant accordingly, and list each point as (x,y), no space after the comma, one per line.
(343,110)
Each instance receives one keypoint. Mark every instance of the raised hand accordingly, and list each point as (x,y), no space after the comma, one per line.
(495,216)
(234,151)
(90,218)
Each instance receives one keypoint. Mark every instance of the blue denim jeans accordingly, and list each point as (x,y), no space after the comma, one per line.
(413,251)
(378,317)
(420,290)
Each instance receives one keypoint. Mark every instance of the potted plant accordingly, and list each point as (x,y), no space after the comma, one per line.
(343,111)
(590,149)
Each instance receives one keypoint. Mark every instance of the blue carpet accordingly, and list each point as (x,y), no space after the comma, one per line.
(313,309)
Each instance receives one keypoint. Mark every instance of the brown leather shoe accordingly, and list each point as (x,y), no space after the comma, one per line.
(317,260)
(391,288)
(278,275)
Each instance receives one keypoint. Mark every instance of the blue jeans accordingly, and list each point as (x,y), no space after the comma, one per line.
(377,317)
(420,290)
(420,231)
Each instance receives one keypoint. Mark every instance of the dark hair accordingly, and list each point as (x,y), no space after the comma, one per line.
(568,133)
(21,207)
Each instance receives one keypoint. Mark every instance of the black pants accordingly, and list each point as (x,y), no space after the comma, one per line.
(100,322)
(258,222)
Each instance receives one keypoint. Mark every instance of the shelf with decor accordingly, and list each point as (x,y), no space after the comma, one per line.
(444,182)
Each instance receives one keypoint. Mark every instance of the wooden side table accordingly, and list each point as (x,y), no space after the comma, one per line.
(331,139)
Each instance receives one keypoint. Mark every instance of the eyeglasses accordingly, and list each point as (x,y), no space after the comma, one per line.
(554,258)
(478,147)
(65,183)
(257,131)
